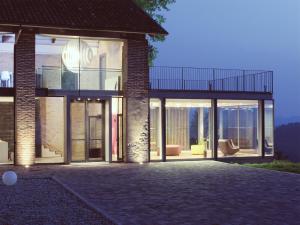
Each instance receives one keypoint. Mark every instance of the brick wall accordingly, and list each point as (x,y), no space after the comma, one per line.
(136,82)
(25,99)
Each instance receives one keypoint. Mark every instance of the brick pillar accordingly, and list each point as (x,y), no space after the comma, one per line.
(136,83)
(25,99)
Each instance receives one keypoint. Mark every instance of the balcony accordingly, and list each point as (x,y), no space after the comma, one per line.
(209,79)
(59,78)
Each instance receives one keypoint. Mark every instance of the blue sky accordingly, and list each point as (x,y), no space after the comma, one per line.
(248,34)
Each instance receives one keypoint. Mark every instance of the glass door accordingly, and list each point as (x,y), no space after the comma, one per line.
(120,137)
(87,130)
(95,132)
(78,128)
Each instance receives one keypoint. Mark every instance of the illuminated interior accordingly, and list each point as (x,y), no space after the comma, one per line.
(50,141)
(187,129)
(117,129)
(72,63)
(238,128)
(7,41)
(6,130)
(269,128)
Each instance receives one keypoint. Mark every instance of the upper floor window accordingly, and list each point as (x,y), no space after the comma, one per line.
(73,63)
(7,41)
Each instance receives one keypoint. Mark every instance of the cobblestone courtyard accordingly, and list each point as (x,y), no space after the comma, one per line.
(205,192)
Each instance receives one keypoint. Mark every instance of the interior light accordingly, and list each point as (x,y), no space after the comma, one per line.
(75,54)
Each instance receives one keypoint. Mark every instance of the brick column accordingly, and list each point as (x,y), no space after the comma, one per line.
(136,110)
(25,99)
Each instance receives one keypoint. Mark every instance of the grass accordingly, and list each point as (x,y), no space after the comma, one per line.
(279,165)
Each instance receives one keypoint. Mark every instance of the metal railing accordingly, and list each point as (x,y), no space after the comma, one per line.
(79,78)
(210,79)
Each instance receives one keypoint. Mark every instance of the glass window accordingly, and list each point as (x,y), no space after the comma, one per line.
(188,129)
(238,128)
(7,41)
(269,129)
(6,130)
(117,129)
(73,63)
(50,130)
(155,130)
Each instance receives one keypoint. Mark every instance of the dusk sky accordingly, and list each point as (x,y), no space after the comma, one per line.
(252,34)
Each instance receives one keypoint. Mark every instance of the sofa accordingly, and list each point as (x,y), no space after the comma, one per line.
(199,149)
(173,150)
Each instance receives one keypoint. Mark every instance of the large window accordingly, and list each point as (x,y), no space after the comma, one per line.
(73,63)
(155,130)
(117,129)
(6,130)
(269,129)
(50,130)
(188,129)
(7,41)
(238,128)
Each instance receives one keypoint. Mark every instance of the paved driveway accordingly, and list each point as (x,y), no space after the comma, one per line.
(206,192)
(189,193)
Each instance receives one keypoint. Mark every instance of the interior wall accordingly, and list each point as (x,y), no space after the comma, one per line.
(52,123)
(6,62)
(7,123)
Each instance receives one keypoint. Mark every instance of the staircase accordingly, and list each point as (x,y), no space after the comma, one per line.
(48,153)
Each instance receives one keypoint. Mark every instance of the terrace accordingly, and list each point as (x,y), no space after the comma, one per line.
(210,79)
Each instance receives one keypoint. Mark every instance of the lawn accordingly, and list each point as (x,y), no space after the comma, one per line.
(286,166)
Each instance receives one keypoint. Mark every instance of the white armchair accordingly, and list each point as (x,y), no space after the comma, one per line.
(5,79)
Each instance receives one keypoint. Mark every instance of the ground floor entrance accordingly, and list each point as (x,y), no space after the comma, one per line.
(81,129)
(88,130)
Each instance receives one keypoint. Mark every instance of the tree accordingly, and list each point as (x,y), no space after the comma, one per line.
(154,8)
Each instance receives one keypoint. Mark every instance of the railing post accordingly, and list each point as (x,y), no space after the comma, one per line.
(214,78)
(244,74)
(222,84)
(182,80)
(254,83)
(119,83)
(42,79)
(272,81)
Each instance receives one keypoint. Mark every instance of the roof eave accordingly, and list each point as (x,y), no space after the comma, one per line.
(29,26)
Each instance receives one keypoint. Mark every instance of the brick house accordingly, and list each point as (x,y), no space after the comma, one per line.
(75,85)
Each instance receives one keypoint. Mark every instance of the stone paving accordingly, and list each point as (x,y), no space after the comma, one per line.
(41,201)
(205,192)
